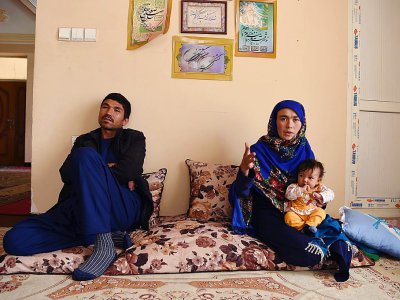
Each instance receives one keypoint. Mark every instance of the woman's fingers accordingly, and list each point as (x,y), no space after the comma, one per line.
(246,149)
(247,152)
(248,157)
(248,160)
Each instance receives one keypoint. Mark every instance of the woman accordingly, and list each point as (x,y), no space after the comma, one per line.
(267,168)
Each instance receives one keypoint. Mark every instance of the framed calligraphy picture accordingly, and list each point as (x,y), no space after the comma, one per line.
(256,28)
(147,19)
(203,16)
(202,58)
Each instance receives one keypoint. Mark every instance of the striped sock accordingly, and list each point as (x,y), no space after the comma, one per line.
(103,255)
(121,239)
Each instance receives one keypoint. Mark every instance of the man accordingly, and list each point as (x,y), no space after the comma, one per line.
(103,196)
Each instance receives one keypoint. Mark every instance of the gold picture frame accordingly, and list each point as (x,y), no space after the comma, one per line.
(202,58)
(256,28)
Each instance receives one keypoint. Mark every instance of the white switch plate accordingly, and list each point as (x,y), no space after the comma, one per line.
(77,34)
(90,34)
(64,33)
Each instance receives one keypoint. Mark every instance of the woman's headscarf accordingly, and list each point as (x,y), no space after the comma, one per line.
(277,160)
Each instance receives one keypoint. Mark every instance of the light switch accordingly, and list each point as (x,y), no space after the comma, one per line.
(64,34)
(90,34)
(77,34)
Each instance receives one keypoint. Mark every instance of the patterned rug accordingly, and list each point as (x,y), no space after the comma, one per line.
(15,190)
(381,281)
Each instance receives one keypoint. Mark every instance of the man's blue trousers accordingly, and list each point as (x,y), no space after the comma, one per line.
(98,203)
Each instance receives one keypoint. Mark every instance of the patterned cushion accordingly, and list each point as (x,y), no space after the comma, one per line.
(156,185)
(209,186)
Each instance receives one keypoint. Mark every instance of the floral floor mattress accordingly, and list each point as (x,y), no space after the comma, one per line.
(177,245)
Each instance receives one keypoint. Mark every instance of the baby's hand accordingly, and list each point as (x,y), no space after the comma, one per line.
(306,188)
(318,197)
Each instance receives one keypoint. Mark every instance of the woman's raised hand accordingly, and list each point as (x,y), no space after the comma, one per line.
(247,160)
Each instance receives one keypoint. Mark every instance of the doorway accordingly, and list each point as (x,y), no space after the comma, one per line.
(15,171)
(12,123)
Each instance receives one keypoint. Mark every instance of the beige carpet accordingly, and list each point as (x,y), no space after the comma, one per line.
(381,281)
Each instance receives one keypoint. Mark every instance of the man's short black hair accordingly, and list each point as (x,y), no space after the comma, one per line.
(121,100)
(312,164)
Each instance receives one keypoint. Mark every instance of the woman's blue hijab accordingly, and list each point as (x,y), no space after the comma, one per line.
(277,160)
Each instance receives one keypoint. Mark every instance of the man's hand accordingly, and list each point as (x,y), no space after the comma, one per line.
(111,165)
(247,160)
(131,185)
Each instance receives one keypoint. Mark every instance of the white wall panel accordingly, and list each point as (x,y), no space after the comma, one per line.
(379,119)
(379,46)
(379,162)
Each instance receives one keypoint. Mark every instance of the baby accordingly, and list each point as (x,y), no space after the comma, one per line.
(306,197)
